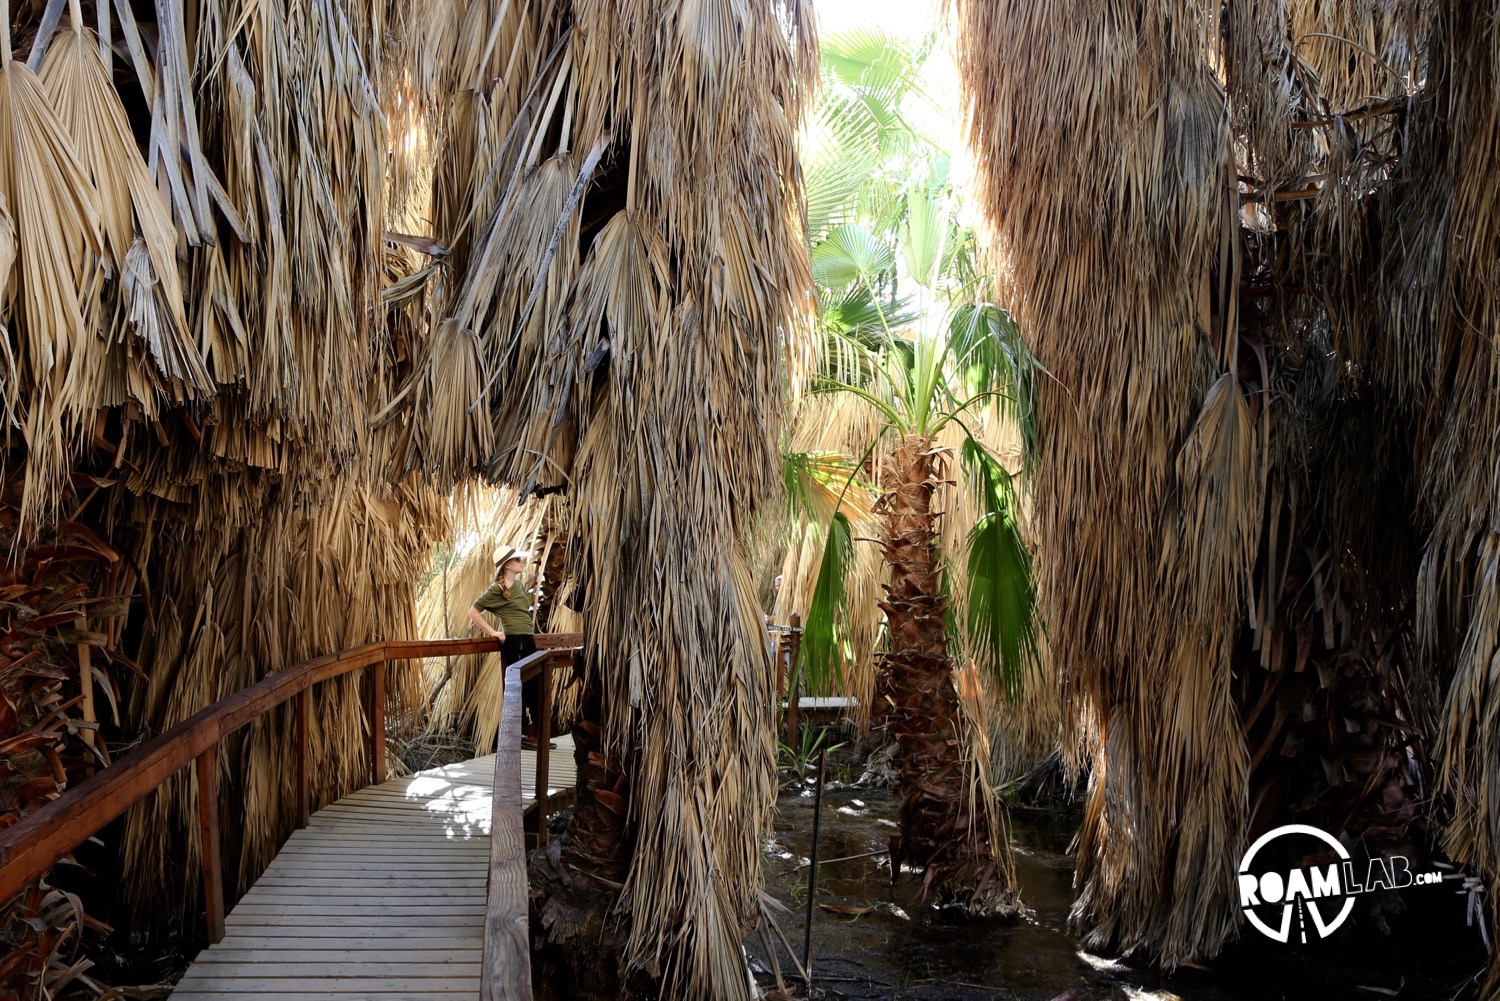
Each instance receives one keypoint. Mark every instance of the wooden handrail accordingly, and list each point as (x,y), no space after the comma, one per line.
(31,846)
(506,970)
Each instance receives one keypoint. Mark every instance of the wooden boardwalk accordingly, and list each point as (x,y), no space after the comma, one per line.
(382,896)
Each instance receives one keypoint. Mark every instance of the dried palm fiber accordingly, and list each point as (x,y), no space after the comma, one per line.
(1318,94)
(58,238)
(1327,581)
(10,376)
(557,606)
(646,370)
(1440,321)
(290,584)
(1147,474)
(465,693)
(264,522)
(300,142)
(48,736)
(497,207)
(147,288)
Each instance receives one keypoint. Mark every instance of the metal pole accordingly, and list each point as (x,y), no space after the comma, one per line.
(812,876)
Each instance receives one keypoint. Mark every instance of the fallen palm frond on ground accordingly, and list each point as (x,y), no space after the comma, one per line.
(50,737)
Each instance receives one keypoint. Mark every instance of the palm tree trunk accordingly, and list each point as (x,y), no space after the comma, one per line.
(576,882)
(943,831)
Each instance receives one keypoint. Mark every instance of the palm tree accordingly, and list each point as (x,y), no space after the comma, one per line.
(947,816)
(1244,257)
(280,275)
(886,220)
(193,200)
(630,270)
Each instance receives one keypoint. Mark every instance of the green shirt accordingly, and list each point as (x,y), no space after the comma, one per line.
(513,610)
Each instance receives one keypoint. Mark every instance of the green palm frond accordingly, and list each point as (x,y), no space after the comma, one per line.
(860,316)
(821,658)
(860,128)
(873,61)
(987,349)
(820,484)
(925,235)
(1001,618)
(848,255)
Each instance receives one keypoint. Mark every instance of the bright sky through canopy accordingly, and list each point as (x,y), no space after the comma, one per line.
(938,116)
(911,18)
(940,119)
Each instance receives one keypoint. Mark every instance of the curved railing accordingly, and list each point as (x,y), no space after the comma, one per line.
(34,844)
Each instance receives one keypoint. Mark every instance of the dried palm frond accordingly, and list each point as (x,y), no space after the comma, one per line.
(1441,311)
(1145,162)
(127,202)
(617,185)
(10,374)
(661,321)
(1227,442)
(58,240)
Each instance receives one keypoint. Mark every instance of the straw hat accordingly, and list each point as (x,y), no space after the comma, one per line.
(504,554)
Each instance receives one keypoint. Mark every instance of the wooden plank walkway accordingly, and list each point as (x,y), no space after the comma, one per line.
(381,896)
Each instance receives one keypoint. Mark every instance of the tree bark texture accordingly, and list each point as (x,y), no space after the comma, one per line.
(944,834)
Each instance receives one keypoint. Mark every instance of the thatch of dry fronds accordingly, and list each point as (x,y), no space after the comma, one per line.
(627,240)
(1256,257)
(598,253)
(197,362)
(1139,483)
(1441,323)
(272,593)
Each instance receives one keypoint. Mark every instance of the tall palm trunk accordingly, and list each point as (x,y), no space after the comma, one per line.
(576,883)
(943,831)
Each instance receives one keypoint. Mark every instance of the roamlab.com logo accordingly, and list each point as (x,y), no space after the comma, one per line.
(1320,895)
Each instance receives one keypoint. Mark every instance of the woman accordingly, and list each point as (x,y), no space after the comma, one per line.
(508,600)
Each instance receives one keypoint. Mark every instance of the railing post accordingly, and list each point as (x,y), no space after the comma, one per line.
(794,690)
(377,722)
(207,766)
(778,649)
(543,747)
(304,753)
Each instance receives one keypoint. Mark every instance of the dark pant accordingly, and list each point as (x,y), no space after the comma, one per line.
(513,649)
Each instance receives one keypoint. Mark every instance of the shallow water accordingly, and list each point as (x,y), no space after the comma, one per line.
(885,953)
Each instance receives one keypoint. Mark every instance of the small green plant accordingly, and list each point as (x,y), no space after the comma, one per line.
(799,758)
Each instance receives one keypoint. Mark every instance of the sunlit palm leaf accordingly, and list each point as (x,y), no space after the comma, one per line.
(925,233)
(849,254)
(819,484)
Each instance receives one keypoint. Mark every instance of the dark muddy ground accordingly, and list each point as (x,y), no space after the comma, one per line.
(886,953)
